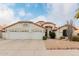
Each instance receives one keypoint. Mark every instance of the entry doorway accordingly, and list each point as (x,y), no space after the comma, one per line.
(65,33)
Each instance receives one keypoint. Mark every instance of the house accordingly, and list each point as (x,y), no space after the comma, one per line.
(30,30)
(40,23)
(49,26)
(23,30)
(27,30)
(1,31)
(63,29)
(76,33)
(46,24)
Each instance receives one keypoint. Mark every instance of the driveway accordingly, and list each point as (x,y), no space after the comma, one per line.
(18,47)
(30,48)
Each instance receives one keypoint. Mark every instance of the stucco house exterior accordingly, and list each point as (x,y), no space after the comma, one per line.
(49,26)
(59,32)
(1,31)
(76,32)
(30,30)
(23,30)
(46,24)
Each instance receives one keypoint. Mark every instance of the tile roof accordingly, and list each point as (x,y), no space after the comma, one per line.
(22,22)
(67,25)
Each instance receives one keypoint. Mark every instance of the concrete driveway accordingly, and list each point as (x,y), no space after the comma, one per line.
(21,47)
(30,48)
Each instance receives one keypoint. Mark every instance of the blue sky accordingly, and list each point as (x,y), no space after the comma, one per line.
(57,13)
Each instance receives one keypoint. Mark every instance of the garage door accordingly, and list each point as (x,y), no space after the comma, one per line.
(37,35)
(23,35)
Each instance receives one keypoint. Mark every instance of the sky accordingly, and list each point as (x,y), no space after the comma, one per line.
(58,13)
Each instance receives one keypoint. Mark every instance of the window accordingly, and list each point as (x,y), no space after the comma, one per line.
(65,32)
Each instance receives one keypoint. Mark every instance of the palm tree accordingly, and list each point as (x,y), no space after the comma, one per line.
(77,14)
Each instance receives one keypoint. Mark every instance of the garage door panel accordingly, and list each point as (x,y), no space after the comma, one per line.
(37,35)
(23,35)
(19,35)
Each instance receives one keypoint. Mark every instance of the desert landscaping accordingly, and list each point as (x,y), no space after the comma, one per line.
(53,44)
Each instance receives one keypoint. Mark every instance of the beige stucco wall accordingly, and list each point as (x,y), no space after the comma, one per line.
(59,32)
(20,27)
(40,23)
(76,32)
(52,25)
(32,31)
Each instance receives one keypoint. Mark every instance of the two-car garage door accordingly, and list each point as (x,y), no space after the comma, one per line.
(23,35)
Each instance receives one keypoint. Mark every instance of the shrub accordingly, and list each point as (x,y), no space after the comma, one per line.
(52,34)
(44,37)
(62,37)
(75,38)
(78,34)
(46,33)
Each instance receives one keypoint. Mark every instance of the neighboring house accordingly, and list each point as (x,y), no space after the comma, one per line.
(63,29)
(23,30)
(1,27)
(76,32)
(1,31)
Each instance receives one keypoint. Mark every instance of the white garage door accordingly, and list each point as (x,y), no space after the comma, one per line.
(37,35)
(23,35)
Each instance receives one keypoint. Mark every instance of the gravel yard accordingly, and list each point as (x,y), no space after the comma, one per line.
(61,44)
(36,47)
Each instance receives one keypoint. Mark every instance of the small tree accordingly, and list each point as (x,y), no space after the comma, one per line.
(52,34)
(70,29)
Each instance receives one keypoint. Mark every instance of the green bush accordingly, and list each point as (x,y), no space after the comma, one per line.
(78,34)
(62,37)
(52,34)
(75,38)
(44,37)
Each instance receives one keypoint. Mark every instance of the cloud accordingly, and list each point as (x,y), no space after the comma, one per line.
(21,13)
(28,5)
(61,12)
(7,14)
(29,14)
(39,18)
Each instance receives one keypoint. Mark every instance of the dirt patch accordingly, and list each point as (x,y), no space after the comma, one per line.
(52,44)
